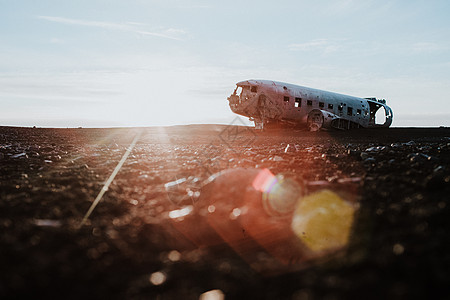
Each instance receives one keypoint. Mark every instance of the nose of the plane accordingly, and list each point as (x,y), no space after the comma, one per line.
(233,99)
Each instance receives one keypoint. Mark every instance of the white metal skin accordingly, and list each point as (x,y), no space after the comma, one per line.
(267,102)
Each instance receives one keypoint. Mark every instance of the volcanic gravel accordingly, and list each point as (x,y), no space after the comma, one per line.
(131,248)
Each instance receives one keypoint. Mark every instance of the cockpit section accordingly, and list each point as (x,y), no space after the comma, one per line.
(243,93)
(242,101)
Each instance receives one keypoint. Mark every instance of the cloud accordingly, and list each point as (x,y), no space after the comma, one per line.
(324,45)
(349,7)
(139,28)
(62,87)
(56,41)
(211,92)
(427,47)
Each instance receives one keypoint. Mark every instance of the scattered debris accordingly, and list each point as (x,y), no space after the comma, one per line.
(47,223)
(277,158)
(212,295)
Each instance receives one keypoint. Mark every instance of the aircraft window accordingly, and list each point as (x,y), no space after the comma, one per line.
(253,89)
(358,111)
(349,111)
(239,90)
(309,102)
(321,104)
(286,99)
(340,107)
(298,102)
(330,106)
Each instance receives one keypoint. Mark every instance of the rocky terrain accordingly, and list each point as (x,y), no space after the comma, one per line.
(150,236)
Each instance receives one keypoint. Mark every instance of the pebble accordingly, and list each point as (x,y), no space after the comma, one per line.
(212,295)
(355,153)
(364,155)
(277,158)
(19,155)
(418,157)
(375,149)
(349,180)
(438,169)
(370,160)
(291,148)
(47,223)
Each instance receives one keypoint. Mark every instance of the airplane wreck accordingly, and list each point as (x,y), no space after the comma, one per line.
(271,103)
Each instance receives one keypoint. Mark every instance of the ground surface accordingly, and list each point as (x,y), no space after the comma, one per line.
(132,246)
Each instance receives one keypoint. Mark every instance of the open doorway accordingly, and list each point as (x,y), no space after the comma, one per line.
(380,116)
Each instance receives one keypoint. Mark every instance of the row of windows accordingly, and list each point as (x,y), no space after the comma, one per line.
(298,103)
(350,110)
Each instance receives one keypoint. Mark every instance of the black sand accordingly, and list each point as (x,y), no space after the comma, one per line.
(399,247)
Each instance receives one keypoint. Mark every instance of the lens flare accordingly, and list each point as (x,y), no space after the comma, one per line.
(323,221)
(279,194)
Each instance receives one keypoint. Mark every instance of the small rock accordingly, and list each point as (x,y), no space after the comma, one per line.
(364,155)
(438,169)
(19,155)
(333,178)
(349,180)
(375,149)
(290,148)
(212,294)
(370,160)
(47,223)
(417,157)
(432,159)
(277,158)
(354,153)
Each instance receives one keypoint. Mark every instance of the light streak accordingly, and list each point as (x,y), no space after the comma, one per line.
(110,179)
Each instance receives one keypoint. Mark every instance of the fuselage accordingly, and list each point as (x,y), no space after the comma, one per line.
(266,102)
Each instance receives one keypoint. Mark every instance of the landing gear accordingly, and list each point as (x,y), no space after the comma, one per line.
(315,120)
(259,124)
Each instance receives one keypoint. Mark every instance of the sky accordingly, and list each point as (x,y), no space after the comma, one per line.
(109,63)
